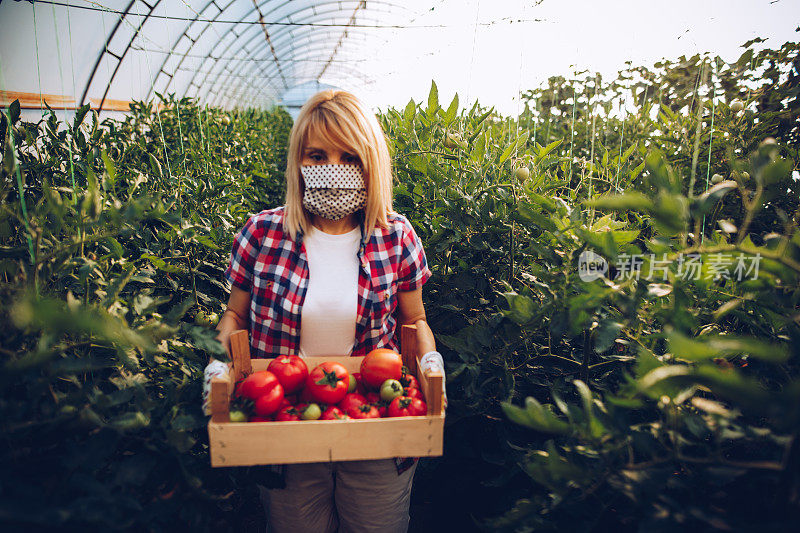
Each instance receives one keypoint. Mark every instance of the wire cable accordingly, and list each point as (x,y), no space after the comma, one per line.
(99,7)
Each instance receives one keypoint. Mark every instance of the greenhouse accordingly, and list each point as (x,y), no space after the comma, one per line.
(421,265)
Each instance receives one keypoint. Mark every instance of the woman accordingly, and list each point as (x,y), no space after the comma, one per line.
(335,271)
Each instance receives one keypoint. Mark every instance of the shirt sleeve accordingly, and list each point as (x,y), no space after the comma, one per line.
(246,245)
(414,271)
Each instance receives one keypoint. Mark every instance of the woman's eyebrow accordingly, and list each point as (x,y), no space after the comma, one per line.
(314,149)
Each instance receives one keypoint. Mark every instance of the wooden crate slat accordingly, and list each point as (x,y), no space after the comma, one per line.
(250,443)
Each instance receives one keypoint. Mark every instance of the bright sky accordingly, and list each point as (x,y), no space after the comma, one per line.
(493,62)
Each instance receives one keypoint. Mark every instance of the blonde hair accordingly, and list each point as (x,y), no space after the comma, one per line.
(342,120)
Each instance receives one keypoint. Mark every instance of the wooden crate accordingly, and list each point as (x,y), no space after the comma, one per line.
(307,441)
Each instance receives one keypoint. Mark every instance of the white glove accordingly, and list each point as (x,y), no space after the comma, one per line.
(433,362)
(215,368)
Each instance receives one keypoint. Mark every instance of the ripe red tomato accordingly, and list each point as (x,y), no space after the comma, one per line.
(379,365)
(291,371)
(264,390)
(409,381)
(328,382)
(359,383)
(373,397)
(269,402)
(405,406)
(417,407)
(413,393)
(333,413)
(287,414)
(383,409)
(364,411)
(256,384)
(352,399)
(305,395)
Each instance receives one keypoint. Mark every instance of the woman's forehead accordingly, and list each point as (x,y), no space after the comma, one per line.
(315,140)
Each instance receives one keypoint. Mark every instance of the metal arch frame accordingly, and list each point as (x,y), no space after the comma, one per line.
(119,58)
(239,87)
(342,37)
(236,73)
(266,72)
(288,30)
(314,13)
(218,64)
(185,35)
(267,69)
(354,72)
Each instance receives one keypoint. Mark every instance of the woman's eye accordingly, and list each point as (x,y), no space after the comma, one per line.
(316,157)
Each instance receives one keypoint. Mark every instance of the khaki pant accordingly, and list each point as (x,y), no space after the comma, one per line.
(346,496)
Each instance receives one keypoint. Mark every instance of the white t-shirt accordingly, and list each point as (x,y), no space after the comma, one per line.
(329,312)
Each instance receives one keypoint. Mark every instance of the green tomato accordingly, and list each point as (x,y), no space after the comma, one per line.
(737,105)
(391,389)
(352,386)
(238,416)
(716,178)
(202,319)
(452,140)
(311,412)
(522,173)
(213,318)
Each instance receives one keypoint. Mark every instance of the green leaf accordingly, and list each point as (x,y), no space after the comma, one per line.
(596,429)
(521,310)
(111,170)
(526,212)
(14,111)
(706,201)
(535,416)
(433,100)
(118,283)
(450,114)
(636,171)
(115,247)
(626,154)
(629,201)
(130,421)
(713,346)
(543,152)
(775,172)
(512,147)
(478,149)
(409,112)
(607,333)
(155,165)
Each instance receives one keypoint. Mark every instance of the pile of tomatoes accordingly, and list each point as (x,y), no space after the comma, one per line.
(288,391)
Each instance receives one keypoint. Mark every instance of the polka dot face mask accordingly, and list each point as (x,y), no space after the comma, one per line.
(333,191)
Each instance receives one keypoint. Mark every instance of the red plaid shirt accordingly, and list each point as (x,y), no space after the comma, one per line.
(274,269)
